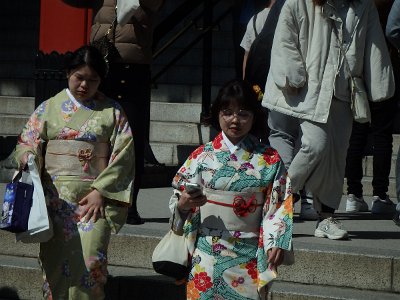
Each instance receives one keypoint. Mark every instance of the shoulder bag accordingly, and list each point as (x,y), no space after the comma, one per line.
(359,96)
(106,44)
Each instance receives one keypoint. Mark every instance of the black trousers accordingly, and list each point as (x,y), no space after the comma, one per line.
(129,84)
(381,129)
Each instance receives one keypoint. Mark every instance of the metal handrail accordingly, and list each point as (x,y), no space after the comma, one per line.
(191,45)
(206,36)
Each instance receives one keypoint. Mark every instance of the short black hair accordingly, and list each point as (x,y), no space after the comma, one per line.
(241,92)
(90,56)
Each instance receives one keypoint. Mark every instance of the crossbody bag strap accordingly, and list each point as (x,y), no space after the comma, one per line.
(343,50)
(255,25)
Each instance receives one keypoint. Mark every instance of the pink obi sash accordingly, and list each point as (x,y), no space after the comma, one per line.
(233,211)
(76,158)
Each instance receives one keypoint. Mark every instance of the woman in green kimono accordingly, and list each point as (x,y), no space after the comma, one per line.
(83,142)
(239,228)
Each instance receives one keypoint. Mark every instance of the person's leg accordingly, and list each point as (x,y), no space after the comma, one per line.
(320,164)
(284,137)
(354,171)
(284,132)
(382,116)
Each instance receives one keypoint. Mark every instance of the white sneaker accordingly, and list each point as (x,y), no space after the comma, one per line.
(382,206)
(332,229)
(355,204)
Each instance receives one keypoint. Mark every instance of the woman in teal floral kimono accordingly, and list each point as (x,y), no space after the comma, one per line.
(239,229)
(83,142)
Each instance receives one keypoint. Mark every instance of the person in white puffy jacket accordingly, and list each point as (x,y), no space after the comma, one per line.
(310,80)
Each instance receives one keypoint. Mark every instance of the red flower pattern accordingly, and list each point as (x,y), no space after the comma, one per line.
(252,269)
(271,156)
(217,142)
(202,281)
(196,152)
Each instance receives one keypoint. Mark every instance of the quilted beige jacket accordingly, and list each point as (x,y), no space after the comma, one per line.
(133,40)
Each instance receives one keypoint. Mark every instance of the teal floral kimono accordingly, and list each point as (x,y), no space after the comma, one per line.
(74,261)
(233,264)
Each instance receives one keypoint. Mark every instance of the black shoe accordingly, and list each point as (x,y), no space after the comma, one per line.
(396,218)
(134,219)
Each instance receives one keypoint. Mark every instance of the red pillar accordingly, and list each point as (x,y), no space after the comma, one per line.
(63,28)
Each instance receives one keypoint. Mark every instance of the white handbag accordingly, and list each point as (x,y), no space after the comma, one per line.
(359,97)
(125,10)
(39,224)
(171,256)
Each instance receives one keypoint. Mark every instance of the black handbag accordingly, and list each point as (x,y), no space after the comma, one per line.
(106,45)
(16,205)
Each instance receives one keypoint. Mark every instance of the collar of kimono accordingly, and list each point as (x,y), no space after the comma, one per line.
(76,102)
(232,148)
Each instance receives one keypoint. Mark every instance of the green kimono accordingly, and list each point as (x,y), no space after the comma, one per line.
(74,261)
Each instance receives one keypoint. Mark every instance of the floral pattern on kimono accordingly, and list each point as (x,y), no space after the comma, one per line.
(234,264)
(74,261)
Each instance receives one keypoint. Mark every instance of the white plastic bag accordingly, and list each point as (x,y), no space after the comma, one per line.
(39,224)
(125,10)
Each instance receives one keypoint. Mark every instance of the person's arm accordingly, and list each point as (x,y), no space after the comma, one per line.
(393,25)
(32,137)
(377,68)
(115,182)
(246,55)
(247,40)
(277,224)
(287,64)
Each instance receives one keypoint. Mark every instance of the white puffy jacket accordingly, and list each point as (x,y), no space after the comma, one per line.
(305,58)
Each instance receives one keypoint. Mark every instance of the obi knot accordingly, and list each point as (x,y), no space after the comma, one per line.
(85,156)
(242,208)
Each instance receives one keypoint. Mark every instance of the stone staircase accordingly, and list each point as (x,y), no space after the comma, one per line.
(333,271)
(175,131)
(324,269)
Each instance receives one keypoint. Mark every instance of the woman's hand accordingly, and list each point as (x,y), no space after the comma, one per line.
(92,206)
(23,161)
(187,201)
(275,257)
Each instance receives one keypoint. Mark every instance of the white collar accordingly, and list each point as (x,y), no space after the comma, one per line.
(76,102)
(232,148)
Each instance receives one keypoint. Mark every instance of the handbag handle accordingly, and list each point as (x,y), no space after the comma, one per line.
(342,50)
(17,177)
(113,25)
(19,174)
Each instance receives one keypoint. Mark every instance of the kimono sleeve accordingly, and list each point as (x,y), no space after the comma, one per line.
(33,136)
(190,171)
(115,181)
(277,224)
(287,64)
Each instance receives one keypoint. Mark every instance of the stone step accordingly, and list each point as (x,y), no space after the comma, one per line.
(21,279)
(373,247)
(175,112)
(294,291)
(17,105)
(171,153)
(314,264)
(12,124)
(179,93)
(179,133)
